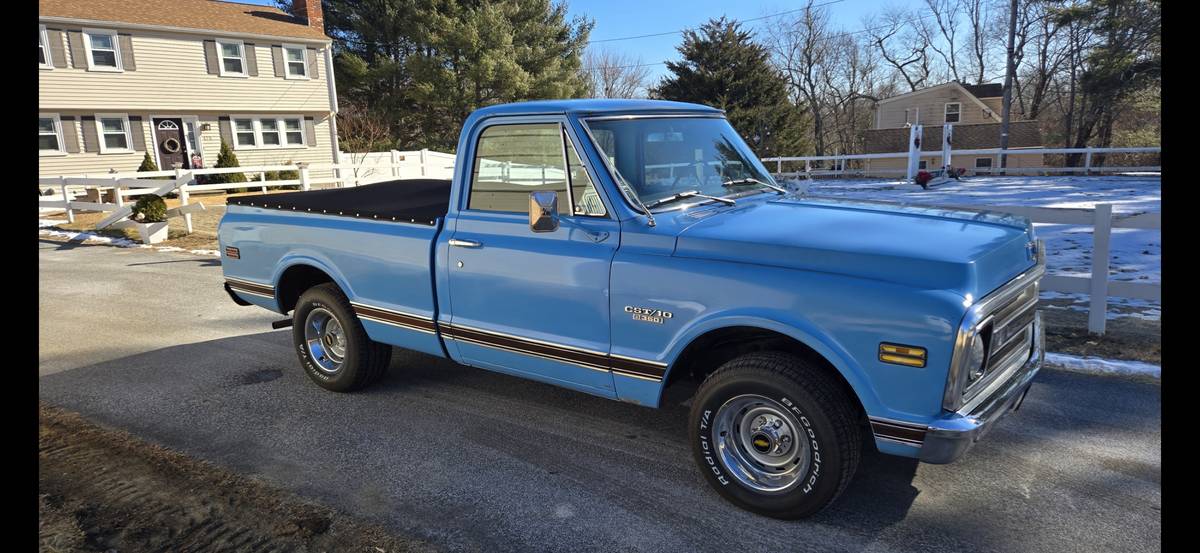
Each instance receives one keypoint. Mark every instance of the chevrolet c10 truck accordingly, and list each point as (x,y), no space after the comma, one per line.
(625,247)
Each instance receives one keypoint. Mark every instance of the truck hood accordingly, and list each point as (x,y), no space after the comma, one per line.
(966,252)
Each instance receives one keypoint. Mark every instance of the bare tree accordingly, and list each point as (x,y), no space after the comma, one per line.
(900,46)
(801,49)
(978,34)
(611,74)
(360,132)
(940,32)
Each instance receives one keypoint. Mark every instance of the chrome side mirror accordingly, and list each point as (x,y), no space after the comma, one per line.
(543,211)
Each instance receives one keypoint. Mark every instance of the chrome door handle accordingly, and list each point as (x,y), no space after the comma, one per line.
(465,243)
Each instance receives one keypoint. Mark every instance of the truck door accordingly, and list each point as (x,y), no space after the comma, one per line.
(525,302)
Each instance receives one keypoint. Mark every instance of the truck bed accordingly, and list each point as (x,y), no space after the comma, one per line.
(420,201)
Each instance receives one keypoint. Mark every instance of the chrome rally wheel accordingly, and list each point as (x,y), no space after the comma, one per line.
(776,433)
(760,443)
(326,340)
(332,344)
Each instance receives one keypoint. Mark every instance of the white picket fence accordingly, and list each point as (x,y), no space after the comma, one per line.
(369,167)
(121,187)
(838,162)
(1097,285)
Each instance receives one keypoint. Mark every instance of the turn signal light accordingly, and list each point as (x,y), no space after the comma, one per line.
(896,354)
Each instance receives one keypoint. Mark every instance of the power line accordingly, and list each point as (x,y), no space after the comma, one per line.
(742,20)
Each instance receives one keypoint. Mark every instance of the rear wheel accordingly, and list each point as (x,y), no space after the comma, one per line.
(330,341)
(775,434)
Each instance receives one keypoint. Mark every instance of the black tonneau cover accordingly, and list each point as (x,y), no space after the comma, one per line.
(419,201)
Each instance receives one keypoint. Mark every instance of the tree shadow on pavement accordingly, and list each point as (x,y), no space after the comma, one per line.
(475,460)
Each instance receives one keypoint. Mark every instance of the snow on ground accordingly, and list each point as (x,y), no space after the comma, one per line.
(1136,253)
(47,227)
(1105,366)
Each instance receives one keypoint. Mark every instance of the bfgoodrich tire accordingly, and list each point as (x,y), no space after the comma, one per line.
(775,435)
(331,343)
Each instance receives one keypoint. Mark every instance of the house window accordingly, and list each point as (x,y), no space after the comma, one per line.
(103,52)
(50,141)
(244,136)
(295,62)
(114,133)
(921,164)
(952,112)
(983,163)
(44,60)
(233,58)
(294,132)
(269,132)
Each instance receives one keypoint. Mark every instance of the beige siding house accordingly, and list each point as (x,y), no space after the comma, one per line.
(175,78)
(974,110)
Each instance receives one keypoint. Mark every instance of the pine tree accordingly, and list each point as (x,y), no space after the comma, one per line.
(227,159)
(147,164)
(725,68)
(423,66)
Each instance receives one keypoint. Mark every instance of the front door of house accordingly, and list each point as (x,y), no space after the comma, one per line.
(170,142)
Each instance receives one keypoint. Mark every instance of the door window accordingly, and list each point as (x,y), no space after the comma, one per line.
(513,160)
(583,191)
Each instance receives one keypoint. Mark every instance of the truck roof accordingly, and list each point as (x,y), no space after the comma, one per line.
(591,107)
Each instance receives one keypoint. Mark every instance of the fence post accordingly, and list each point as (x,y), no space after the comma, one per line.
(914,152)
(1087,161)
(395,163)
(779,166)
(807,168)
(1102,231)
(303,175)
(183,195)
(423,162)
(117,191)
(62,183)
(262,177)
(947,141)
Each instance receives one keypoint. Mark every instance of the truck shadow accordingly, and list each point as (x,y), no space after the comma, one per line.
(436,446)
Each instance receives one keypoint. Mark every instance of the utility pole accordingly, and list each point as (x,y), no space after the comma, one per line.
(1010,70)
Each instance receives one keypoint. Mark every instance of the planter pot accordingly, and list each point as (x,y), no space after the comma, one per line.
(152,233)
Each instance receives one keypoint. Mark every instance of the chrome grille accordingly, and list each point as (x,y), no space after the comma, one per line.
(1011,338)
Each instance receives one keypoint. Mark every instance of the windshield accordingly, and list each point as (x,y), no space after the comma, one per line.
(662,157)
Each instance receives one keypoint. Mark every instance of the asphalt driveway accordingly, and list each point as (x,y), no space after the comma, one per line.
(470,460)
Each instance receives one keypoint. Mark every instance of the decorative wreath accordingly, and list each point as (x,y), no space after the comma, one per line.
(171,145)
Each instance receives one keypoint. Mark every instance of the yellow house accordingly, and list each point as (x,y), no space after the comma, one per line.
(974,110)
(175,78)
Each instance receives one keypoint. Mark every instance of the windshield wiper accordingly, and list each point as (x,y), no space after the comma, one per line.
(689,194)
(752,180)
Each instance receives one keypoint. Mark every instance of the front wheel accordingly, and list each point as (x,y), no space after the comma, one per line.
(333,347)
(775,435)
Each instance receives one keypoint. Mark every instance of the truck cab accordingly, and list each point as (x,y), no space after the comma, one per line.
(622,248)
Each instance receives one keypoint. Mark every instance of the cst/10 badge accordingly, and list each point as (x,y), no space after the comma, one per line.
(648,315)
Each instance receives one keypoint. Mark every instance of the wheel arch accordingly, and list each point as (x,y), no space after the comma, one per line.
(716,342)
(297,274)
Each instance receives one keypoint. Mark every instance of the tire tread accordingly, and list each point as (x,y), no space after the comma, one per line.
(829,395)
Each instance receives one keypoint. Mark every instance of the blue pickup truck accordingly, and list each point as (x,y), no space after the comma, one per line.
(626,248)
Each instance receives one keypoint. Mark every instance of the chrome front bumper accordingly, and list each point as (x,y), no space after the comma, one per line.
(948,438)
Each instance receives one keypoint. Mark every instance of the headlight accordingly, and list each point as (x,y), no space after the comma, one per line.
(976,358)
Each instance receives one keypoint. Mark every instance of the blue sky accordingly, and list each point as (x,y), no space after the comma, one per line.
(624,18)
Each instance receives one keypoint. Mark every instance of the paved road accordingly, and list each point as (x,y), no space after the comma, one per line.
(475,461)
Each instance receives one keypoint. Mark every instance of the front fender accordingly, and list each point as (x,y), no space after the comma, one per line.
(789,324)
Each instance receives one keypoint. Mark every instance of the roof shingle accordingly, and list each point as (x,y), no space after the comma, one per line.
(202,15)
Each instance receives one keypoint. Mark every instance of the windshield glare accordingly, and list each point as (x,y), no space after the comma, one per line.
(661,157)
